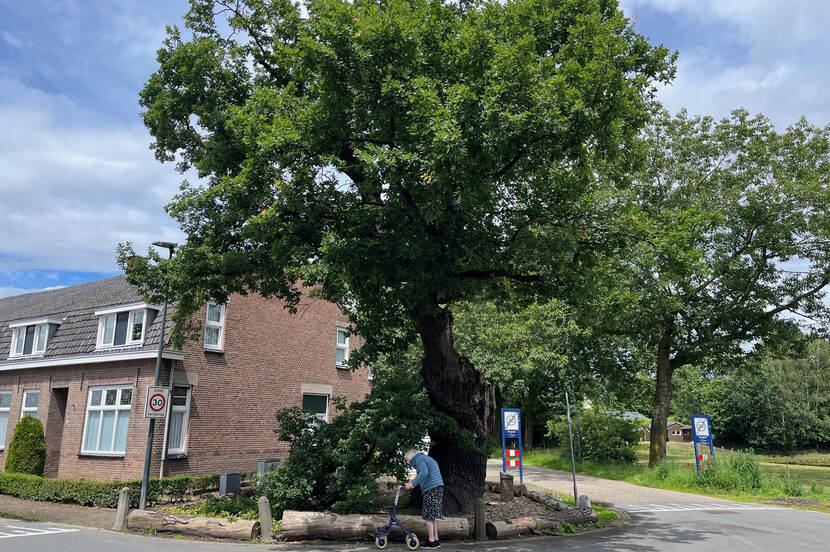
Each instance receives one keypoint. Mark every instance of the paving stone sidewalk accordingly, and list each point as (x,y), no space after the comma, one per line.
(599,490)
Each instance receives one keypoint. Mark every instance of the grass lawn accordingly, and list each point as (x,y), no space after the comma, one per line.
(808,486)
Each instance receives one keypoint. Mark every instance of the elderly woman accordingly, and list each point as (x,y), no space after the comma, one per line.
(432,487)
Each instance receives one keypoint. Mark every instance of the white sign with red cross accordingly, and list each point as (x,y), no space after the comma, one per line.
(157,401)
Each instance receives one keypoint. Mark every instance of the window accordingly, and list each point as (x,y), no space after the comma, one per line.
(179,416)
(317,405)
(30,400)
(107,420)
(342,347)
(122,328)
(5,406)
(29,339)
(214,326)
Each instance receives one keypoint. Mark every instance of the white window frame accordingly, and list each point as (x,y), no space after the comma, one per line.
(344,347)
(185,420)
(5,410)
(27,410)
(18,330)
(117,407)
(325,415)
(129,341)
(220,342)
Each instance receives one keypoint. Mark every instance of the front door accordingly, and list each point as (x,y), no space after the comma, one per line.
(54,429)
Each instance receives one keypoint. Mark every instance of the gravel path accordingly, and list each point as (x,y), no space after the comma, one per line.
(599,490)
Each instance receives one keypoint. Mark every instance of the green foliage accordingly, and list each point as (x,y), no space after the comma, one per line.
(526,351)
(775,400)
(604,438)
(394,157)
(720,209)
(240,507)
(732,472)
(27,450)
(335,465)
(101,493)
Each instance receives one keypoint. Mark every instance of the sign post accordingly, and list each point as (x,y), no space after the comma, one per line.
(157,401)
(511,429)
(702,428)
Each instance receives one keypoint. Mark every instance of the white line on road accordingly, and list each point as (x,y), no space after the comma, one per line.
(640,509)
(31,531)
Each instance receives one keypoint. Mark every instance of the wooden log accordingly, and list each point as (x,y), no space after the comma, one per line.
(497,530)
(193,525)
(326,525)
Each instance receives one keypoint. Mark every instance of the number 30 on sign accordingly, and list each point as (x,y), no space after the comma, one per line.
(157,399)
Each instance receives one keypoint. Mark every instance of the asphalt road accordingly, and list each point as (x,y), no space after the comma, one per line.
(664,527)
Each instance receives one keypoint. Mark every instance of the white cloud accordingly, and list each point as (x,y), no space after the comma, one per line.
(11,40)
(769,57)
(72,188)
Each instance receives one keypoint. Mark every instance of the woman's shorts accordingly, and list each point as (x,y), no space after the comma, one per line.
(433,503)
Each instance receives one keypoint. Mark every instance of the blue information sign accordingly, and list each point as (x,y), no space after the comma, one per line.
(511,428)
(702,435)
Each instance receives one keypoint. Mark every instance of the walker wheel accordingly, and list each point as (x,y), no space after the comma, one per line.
(381,542)
(412,542)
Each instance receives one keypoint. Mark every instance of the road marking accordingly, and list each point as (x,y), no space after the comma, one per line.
(677,507)
(10,531)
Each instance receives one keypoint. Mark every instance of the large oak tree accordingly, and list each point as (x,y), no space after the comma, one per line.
(396,156)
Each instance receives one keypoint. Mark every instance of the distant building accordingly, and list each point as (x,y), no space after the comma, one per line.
(81,358)
(675,432)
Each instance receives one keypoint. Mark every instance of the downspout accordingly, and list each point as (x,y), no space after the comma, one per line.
(167,419)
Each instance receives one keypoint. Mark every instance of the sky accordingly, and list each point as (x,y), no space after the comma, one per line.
(77,175)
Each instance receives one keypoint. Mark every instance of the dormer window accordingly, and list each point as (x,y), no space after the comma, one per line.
(125,325)
(30,338)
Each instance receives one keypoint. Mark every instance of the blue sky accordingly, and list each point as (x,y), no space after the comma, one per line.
(77,177)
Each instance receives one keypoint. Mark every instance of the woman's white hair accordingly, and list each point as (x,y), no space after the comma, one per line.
(410,454)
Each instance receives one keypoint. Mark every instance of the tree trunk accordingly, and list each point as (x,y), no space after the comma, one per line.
(529,421)
(326,525)
(497,530)
(457,389)
(662,401)
(193,525)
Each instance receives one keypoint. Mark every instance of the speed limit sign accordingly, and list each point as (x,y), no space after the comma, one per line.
(157,399)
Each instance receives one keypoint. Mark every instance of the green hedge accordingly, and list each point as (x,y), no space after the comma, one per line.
(104,494)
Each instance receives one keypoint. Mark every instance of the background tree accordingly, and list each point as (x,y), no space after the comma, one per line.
(735,231)
(396,157)
(527,353)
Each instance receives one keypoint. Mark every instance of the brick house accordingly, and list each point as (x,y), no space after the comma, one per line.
(675,432)
(81,358)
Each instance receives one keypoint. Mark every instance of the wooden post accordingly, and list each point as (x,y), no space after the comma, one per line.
(123,509)
(480,521)
(266,522)
(506,481)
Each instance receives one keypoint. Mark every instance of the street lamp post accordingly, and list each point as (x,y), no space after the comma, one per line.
(149,451)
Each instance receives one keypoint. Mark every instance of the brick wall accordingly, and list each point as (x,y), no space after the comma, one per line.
(269,354)
(64,447)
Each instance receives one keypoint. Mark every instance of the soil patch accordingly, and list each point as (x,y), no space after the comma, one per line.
(73,514)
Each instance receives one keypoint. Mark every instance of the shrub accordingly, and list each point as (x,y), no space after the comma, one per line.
(335,465)
(604,438)
(732,472)
(27,450)
(100,493)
